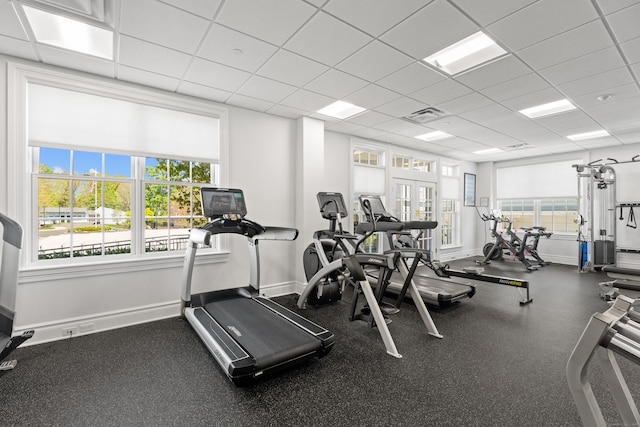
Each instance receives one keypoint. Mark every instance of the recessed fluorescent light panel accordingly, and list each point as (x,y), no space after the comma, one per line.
(488,151)
(588,135)
(470,52)
(548,109)
(60,31)
(341,110)
(433,136)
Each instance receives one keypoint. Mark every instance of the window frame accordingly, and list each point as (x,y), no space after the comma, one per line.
(537,211)
(19,157)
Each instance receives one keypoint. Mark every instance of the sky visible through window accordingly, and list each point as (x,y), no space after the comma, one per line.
(88,163)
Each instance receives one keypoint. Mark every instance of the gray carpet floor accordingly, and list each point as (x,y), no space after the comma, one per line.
(499,364)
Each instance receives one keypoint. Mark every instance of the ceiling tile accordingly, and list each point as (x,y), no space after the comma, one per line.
(317,3)
(374,61)
(532,99)
(590,144)
(608,6)
(266,89)
(464,103)
(336,84)
(373,17)
(369,118)
(229,47)
(219,76)
(283,111)
(205,92)
(515,87)
(631,50)
(440,92)
(400,107)
(395,126)
(147,78)
(148,56)
(618,93)
(411,78)
(327,40)
(205,8)
(506,68)
(307,101)
(291,68)
(489,11)
(584,66)
(416,36)
(624,23)
(371,96)
(623,104)
(541,20)
(598,83)
(344,127)
(369,133)
(273,21)
(579,41)
(10,25)
(248,102)
(486,112)
(166,26)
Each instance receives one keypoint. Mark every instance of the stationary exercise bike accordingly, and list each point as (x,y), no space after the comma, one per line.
(518,247)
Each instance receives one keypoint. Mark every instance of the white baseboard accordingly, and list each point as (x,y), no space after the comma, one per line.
(279,289)
(71,328)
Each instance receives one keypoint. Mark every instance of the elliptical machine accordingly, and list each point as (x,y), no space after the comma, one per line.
(328,245)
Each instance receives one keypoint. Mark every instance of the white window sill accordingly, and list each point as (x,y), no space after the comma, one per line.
(71,271)
(448,247)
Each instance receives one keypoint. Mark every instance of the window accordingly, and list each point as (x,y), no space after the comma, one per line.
(520,212)
(449,222)
(450,171)
(401,162)
(85,204)
(409,163)
(555,214)
(422,165)
(367,157)
(369,178)
(106,171)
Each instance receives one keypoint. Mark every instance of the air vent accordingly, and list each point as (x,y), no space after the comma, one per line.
(425,115)
(518,146)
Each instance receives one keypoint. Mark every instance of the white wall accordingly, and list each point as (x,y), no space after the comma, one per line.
(97,298)
(262,161)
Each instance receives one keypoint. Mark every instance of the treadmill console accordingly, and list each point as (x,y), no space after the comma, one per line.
(225,203)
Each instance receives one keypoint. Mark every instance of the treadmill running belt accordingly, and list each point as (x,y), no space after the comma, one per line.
(266,336)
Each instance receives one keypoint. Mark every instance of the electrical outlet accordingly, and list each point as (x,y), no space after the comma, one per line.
(86,327)
(70,332)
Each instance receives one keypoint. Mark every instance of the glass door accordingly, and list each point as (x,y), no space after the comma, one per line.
(416,201)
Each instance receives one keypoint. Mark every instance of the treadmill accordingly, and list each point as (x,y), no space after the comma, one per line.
(434,291)
(11,245)
(248,335)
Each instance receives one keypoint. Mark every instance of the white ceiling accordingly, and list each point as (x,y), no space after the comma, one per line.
(292,57)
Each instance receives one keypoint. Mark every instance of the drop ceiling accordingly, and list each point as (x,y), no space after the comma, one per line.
(291,58)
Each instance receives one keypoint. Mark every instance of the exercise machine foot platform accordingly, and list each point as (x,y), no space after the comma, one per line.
(247,335)
(11,245)
(613,332)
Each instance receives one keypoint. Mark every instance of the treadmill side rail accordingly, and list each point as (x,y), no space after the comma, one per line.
(232,357)
(326,338)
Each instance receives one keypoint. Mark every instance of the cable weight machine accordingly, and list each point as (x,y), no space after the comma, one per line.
(596,214)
